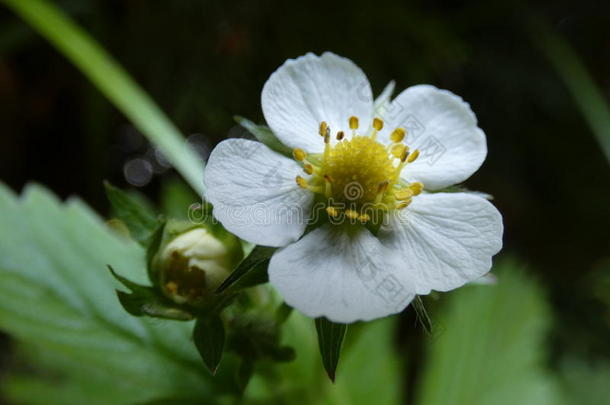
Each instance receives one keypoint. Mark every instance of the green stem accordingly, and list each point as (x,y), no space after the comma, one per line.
(114,82)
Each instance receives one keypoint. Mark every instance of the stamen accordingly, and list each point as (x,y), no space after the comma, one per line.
(377,124)
(399,150)
(332,211)
(403,194)
(351,214)
(398,135)
(327,143)
(340,135)
(381,189)
(299,154)
(416,187)
(323,128)
(364,218)
(308,168)
(328,190)
(403,204)
(302,182)
(413,156)
(171,287)
(353,123)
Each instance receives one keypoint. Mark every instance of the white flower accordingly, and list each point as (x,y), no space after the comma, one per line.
(360,168)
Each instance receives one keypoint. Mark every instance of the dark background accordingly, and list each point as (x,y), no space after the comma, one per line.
(204,61)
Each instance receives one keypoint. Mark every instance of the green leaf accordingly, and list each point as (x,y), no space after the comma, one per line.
(114,82)
(140,223)
(492,348)
(586,93)
(264,135)
(209,337)
(251,271)
(330,339)
(57,298)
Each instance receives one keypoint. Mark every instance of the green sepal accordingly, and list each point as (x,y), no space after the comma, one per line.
(283,313)
(154,244)
(250,272)
(209,338)
(147,301)
(330,339)
(244,373)
(140,222)
(264,135)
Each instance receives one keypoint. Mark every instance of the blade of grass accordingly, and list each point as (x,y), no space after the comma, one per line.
(114,82)
(579,82)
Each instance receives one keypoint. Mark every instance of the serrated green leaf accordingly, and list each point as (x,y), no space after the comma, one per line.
(251,271)
(264,135)
(330,339)
(209,338)
(140,223)
(56,295)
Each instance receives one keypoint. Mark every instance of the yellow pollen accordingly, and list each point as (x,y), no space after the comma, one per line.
(377,124)
(352,214)
(302,182)
(332,211)
(416,188)
(353,122)
(323,128)
(413,156)
(299,154)
(358,177)
(403,194)
(398,135)
(399,150)
(171,287)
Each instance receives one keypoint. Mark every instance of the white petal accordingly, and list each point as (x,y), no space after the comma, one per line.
(383,102)
(343,276)
(444,128)
(445,239)
(254,193)
(310,89)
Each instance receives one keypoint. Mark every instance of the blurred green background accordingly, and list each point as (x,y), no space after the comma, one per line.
(204,61)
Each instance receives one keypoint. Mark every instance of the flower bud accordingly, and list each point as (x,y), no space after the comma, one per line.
(192,265)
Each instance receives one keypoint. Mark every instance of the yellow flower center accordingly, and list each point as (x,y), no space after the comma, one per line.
(359,177)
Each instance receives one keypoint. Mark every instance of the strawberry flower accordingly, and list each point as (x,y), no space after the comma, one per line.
(357,210)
